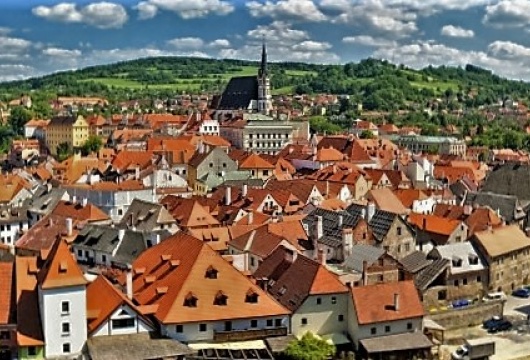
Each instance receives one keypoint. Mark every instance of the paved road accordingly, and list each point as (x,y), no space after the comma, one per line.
(517,306)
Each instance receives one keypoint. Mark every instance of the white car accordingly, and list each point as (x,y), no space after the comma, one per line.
(460,353)
(494,296)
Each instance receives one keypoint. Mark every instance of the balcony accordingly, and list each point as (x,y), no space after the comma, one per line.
(244,335)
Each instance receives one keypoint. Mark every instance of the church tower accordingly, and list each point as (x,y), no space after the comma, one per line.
(264,86)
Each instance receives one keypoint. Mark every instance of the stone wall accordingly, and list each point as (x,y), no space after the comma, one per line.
(470,316)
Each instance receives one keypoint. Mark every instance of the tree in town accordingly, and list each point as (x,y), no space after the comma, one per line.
(64,151)
(18,117)
(93,144)
(309,347)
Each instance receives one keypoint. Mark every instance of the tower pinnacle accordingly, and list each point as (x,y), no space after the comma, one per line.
(263,68)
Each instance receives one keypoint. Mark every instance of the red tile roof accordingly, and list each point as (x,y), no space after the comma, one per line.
(7,292)
(434,224)
(375,303)
(60,269)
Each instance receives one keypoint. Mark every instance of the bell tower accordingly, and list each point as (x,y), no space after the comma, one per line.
(264,87)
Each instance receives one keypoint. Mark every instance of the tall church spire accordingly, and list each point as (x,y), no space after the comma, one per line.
(263,67)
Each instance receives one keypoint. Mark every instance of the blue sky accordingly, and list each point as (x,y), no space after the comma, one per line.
(43,36)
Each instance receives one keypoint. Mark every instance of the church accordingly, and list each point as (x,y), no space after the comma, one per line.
(251,94)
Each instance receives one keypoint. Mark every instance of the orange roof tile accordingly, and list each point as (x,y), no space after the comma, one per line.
(374,303)
(254,161)
(434,224)
(408,196)
(7,292)
(188,279)
(61,269)
(90,213)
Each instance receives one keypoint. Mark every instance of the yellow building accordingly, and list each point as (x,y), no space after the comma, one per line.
(66,129)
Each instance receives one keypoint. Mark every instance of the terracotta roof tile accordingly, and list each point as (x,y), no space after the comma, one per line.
(90,213)
(7,292)
(60,269)
(254,161)
(375,303)
(434,224)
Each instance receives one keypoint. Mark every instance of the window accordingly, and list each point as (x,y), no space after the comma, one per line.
(479,279)
(265,172)
(4,335)
(456,283)
(251,297)
(409,326)
(220,299)
(65,327)
(66,348)
(387,328)
(210,165)
(464,282)
(211,273)
(65,307)
(399,231)
(123,323)
(269,322)
(333,300)
(104,258)
(319,301)
(179,329)
(202,327)
(79,253)
(32,351)
(341,318)
(253,323)
(303,321)
(252,262)
(120,212)
(373,331)
(277,322)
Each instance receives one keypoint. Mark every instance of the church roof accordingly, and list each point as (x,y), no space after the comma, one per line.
(239,93)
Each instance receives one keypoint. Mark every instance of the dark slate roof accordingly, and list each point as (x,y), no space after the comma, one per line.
(62,120)
(428,274)
(380,222)
(509,179)
(415,261)
(45,200)
(332,232)
(104,238)
(239,93)
(361,253)
(507,205)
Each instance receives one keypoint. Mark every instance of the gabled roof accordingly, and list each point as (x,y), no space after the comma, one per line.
(509,179)
(180,265)
(461,256)
(434,224)
(239,93)
(508,206)
(295,277)
(254,161)
(361,253)
(495,244)
(102,300)
(188,212)
(375,303)
(60,269)
(408,196)
(145,216)
(387,201)
(77,211)
(332,232)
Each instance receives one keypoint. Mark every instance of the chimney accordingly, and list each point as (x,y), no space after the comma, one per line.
(84,202)
(228,196)
(468,209)
(341,220)
(396,302)
(69,226)
(424,224)
(129,282)
(322,257)
(74,199)
(365,273)
(244,192)
(370,211)
(50,222)
(121,234)
(250,218)
(137,173)
(527,231)
(347,242)
(319,231)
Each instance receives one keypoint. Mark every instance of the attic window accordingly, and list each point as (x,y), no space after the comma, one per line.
(211,273)
(457,262)
(139,271)
(161,290)
(251,297)
(150,279)
(190,300)
(165,257)
(174,263)
(63,266)
(220,299)
(473,259)
(282,290)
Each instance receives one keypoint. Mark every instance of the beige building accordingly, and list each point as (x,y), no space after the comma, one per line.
(71,130)
(506,251)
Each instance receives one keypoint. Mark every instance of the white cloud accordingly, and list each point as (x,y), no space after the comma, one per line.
(508,50)
(10,72)
(146,10)
(187,9)
(186,43)
(508,14)
(220,43)
(13,45)
(278,32)
(456,31)
(310,45)
(61,53)
(305,10)
(102,15)
(368,40)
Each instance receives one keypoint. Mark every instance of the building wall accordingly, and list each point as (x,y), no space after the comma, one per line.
(10,232)
(23,353)
(322,318)
(191,331)
(425,206)
(399,245)
(509,271)
(53,318)
(469,285)
(107,329)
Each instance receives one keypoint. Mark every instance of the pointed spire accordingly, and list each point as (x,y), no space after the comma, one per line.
(263,68)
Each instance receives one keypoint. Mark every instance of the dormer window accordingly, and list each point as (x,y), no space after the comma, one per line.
(211,273)
(457,262)
(220,299)
(473,259)
(282,290)
(190,300)
(251,297)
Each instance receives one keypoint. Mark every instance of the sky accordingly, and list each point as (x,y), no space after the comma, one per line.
(38,37)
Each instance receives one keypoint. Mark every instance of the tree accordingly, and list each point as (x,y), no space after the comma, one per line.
(309,347)
(64,151)
(366,134)
(18,118)
(92,144)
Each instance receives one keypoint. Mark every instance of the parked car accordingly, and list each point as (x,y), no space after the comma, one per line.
(494,296)
(487,324)
(522,293)
(460,303)
(502,325)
